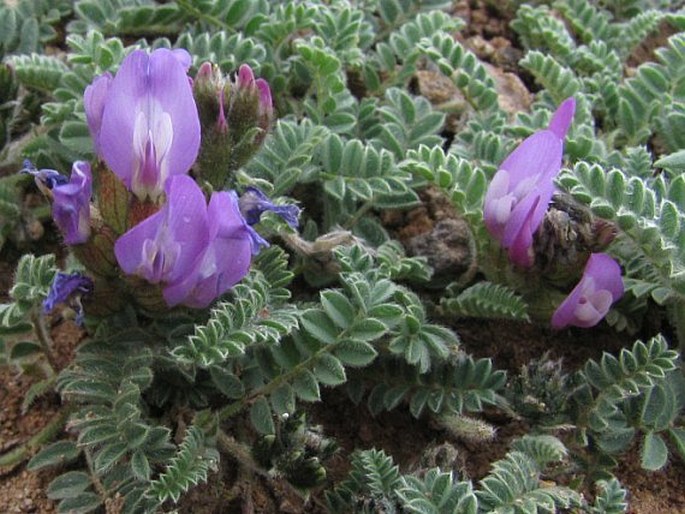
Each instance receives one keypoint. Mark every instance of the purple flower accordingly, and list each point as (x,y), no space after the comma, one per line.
(254,202)
(164,246)
(600,286)
(45,179)
(522,188)
(225,261)
(196,252)
(66,286)
(144,121)
(71,204)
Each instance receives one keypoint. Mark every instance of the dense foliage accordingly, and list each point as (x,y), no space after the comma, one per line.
(158,397)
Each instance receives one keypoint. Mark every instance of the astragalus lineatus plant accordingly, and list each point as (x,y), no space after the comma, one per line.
(263,204)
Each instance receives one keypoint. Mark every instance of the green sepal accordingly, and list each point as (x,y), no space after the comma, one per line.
(112,198)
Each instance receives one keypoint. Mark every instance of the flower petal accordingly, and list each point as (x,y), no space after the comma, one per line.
(225,261)
(183,58)
(170,87)
(63,286)
(150,127)
(537,157)
(187,222)
(523,225)
(234,238)
(127,90)
(498,204)
(166,246)
(253,202)
(94,99)
(606,273)
(562,118)
(46,179)
(600,286)
(71,204)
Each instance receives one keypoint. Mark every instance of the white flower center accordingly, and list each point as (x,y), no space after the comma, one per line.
(593,305)
(153,134)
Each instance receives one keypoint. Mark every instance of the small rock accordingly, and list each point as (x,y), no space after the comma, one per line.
(447,247)
(438,89)
(512,94)
(479,46)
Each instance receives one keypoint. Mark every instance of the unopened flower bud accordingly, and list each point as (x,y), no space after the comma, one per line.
(266,106)
(245,79)
(235,117)
(208,90)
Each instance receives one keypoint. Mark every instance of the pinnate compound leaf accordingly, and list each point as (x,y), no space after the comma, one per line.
(190,466)
(437,493)
(610,498)
(487,300)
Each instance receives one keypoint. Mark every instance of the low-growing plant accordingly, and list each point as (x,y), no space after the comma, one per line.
(228,251)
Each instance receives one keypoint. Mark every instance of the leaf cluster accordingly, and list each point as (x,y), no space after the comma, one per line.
(27,25)
(32,281)
(648,212)
(515,484)
(638,392)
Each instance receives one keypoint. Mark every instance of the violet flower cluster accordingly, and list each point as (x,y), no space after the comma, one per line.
(522,188)
(515,206)
(146,129)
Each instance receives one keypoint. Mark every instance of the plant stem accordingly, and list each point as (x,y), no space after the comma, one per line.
(12,156)
(47,433)
(366,207)
(97,483)
(44,338)
(234,408)
(239,452)
(213,20)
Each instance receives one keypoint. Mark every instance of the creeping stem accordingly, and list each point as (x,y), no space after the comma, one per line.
(45,435)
